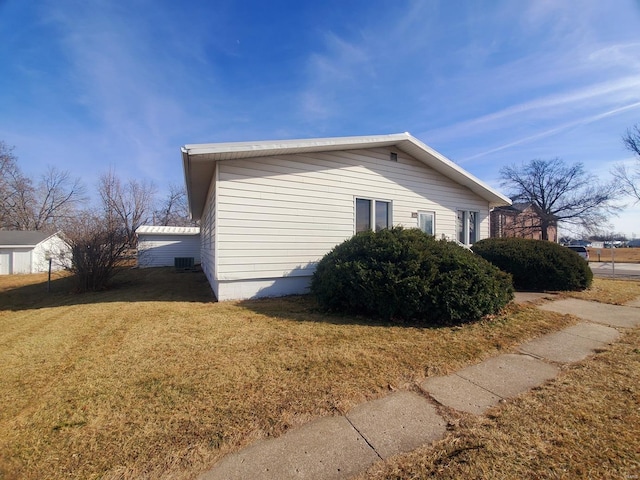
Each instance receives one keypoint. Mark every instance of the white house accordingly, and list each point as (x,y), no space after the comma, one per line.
(29,252)
(160,246)
(270,210)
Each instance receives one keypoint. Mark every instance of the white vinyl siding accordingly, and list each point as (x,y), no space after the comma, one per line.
(59,251)
(277,216)
(157,250)
(208,235)
(33,259)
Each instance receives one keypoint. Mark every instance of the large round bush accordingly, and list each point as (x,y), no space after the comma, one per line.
(536,265)
(407,274)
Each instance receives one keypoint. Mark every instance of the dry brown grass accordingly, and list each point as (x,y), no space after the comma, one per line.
(154,380)
(584,424)
(622,255)
(615,292)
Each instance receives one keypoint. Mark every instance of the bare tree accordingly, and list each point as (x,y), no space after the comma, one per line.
(11,183)
(130,204)
(97,245)
(560,193)
(174,209)
(44,206)
(629,177)
(58,197)
(19,208)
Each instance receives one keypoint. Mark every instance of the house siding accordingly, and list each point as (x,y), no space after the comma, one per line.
(277,216)
(208,236)
(157,250)
(26,259)
(60,253)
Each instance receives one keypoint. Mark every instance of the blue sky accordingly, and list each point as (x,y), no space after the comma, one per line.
(93,84)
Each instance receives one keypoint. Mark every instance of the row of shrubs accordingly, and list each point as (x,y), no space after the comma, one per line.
(536,265)
(405,274)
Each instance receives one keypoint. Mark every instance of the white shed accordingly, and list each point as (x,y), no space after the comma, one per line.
(29,252)
(270,210)
(160,246)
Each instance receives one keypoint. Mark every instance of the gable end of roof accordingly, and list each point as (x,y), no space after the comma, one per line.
(199,161)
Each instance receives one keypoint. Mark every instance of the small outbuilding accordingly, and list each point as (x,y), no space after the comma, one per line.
(30,251)
(167,246)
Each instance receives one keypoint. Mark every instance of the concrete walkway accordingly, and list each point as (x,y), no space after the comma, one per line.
(340,447)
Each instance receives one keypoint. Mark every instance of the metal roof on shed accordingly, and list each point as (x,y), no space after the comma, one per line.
(167,230)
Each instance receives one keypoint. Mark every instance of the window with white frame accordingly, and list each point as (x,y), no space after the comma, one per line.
(427,222)
(467,223)
(370,212)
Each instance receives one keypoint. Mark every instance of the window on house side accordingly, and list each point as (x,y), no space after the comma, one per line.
(363,215)
(467,226)
(461,220)
(372,212)
(473,227)
(382,215)
(426,222)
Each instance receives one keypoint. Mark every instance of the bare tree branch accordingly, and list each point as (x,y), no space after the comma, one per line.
(560,193)
(174,209)
(27,207)
(130,203)
(97,246)
(629,177)
(58,198)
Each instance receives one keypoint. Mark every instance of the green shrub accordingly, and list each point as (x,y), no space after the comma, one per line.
(536,265)
(407,274)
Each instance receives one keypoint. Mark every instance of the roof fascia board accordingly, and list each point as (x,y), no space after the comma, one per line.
(449,169)
(313,144)
(213,152)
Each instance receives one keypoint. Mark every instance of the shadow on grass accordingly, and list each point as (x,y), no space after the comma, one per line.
(304,308)
(26,292)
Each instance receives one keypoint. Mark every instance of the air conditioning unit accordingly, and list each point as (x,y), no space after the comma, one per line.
(183,263)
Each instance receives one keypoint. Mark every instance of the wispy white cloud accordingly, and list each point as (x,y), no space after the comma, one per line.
(549,108)
(129,78)
(554,131)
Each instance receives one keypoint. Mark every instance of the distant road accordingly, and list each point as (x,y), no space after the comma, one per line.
(621,270)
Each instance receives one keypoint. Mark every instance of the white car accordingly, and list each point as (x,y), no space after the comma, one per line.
(582,251)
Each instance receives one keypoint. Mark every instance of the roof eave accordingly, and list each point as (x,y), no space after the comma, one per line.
(199,161)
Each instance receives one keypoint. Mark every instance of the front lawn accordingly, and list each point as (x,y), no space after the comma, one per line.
(152,379)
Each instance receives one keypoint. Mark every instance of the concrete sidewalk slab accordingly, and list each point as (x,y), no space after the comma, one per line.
(328,448)
(614,315)
(572,344)
(474,389)
(510,374)
(340,447)
(400,422)
(456,392)
(594,331)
